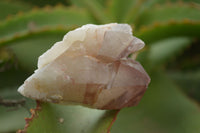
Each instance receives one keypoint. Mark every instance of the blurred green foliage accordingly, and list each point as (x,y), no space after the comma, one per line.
(171,31)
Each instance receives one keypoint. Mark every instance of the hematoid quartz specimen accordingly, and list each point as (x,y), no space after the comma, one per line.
(90,67)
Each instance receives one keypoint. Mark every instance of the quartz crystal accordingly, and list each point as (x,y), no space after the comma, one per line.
(90,67)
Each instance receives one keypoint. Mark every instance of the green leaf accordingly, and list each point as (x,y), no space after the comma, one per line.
(160,52)
(12,77)
(143,58)
(36,19)
(11,121)
(10,73)
(43,3)
(188,60)
(7,59)
(119,8)
(12,116)
(137,9)
(157,32)
(94,7)
(70,119)
(9,8)
(166,13)
(13,106)
(80,3)
(163,109)
(188,82)
(175,1)
(33,45)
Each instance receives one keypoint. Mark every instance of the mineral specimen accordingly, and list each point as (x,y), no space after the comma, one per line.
(90,67)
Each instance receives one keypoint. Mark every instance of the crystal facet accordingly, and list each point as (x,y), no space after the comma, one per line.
(90,67)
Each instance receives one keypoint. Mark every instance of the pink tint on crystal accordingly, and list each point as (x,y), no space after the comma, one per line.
(92,70)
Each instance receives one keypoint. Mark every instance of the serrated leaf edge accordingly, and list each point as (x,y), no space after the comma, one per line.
(34,114)
(16,36)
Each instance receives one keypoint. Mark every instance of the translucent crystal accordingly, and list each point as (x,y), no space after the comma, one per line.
(90,67)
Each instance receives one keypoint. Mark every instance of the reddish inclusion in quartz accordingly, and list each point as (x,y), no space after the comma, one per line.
(94,72)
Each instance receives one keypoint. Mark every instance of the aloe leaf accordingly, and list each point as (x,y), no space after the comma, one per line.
(157,32)
(69,119)
(94,7)
(188,82)
(164,50)
(188,60)
(173,1)
(13,108)
(44,2)
(10,73)
(119,8)
(80,3)
(167,47)
(12,120)
(12,77)
(37,19)
(96,10)
(137,9)
(166,13)
(9,8)
(33,45)
(162,109)
(7,59)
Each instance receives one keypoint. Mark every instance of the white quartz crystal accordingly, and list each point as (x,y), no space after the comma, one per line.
(90,67)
